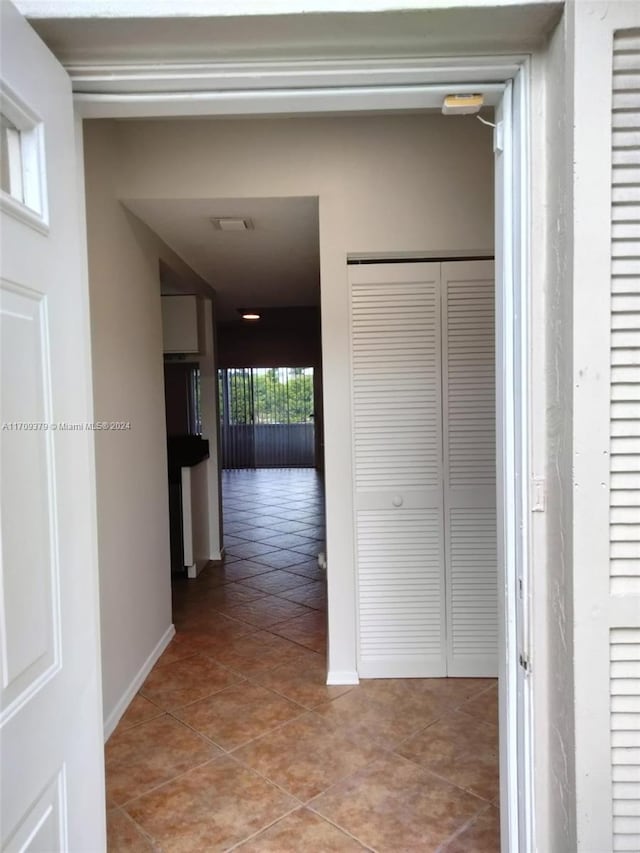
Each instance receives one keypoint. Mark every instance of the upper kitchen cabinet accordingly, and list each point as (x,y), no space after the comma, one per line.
(182,324)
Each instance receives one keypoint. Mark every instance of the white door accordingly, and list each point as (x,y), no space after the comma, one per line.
(50,712)
(396,386)
(469,433)
(423,376)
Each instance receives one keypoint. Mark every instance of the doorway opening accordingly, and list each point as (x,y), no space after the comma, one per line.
(337,360)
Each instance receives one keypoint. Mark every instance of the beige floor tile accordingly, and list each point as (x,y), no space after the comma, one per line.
(149,754)
(378,715)
(247,660)
(244,569)
(481,836)
(210,808)
(139,711)
(313,594)
(238,714)
(276,581)
(301,830)
(310,630)
(123,836)
(455,691)
(393,805)
(204,620)
(303,681)
(461,749)
(307,755)
(267,611)
(184,681)
(258,653)
(227,596)
(484,706)
(310,569)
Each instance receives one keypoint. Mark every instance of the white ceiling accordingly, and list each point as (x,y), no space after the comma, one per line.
(275,264)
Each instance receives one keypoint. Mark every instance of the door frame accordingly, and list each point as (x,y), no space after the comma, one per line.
(153,90)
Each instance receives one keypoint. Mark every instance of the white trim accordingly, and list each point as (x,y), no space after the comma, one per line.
(138,680)
(272,102)
(30,203)
(337,677)
(182,77)
(522,218)
(220,8)
(128,98)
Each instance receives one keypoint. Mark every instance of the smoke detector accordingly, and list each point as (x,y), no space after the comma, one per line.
(232,223)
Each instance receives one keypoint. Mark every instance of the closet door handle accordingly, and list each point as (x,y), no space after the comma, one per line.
(397,500)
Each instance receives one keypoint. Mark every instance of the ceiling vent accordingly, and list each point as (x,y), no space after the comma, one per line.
(231,223)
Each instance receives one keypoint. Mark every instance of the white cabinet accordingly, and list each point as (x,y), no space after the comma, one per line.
(423,390)
(181,324)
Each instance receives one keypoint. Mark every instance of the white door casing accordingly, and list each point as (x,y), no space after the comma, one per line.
(50,716)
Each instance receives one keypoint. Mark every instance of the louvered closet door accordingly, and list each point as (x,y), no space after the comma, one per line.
(624,604)
(396,386)
(468,325)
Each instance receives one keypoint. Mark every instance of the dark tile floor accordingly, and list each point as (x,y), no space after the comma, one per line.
(236,742)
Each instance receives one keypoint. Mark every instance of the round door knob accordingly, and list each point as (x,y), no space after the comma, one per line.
(397,501)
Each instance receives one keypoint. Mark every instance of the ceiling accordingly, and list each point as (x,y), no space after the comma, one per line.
(275,264)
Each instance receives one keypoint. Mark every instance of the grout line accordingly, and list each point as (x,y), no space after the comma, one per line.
(168,781)
(444,778)
(367,847)
(458,832)
(262,776)
(261,830)
(146,835)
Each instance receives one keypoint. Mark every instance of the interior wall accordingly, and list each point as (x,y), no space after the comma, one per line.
(386,184)
(260,346)
(552,416)
(131,464)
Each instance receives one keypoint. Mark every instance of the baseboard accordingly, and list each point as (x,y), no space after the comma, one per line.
(126,699)
(218,557)
(336,677)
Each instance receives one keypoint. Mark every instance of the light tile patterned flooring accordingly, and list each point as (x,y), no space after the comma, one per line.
(235,742)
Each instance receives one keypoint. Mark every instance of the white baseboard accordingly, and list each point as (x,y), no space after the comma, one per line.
(127,697)
(342,677)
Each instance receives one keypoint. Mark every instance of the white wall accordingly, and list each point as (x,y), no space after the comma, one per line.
(131,468)
(552,642)
(414,183)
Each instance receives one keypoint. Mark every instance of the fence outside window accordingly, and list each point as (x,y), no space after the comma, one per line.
(267,417)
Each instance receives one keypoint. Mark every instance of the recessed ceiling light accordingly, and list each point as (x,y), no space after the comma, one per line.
(250,315)
(231,223)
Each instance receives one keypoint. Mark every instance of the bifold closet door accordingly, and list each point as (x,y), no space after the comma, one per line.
(423,385)
(397,405)
(468,368)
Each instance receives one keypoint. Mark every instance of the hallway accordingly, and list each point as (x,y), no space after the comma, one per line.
(235,741)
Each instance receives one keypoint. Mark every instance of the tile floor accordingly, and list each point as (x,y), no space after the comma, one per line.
(235,742)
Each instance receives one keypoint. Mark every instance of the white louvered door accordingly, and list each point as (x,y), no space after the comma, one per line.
(424,454)
(468,409)
(396,376)
(624,610)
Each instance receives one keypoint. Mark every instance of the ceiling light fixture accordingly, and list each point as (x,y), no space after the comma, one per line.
(232,223)
(250,315)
